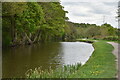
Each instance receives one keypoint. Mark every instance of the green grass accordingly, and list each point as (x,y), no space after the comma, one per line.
(100,65)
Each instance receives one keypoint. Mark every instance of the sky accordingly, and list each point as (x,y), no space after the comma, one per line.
(92,11)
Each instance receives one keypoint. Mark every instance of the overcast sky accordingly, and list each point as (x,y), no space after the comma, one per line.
(91,11)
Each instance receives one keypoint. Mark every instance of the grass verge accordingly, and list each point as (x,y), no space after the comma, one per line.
(100,65)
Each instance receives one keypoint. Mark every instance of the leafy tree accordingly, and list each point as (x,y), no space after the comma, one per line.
(30,22)
(9,11)
(55,21)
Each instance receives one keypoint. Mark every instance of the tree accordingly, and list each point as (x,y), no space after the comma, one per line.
(55,21)
(9,12)
(30,22)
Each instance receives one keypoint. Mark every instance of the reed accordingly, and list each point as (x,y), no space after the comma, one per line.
(61,72)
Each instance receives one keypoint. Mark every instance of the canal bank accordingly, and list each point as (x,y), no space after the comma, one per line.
(101,64)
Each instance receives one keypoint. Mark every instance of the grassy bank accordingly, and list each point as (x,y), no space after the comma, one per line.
(100,65)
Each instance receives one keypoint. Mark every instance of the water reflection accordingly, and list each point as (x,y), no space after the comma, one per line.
(76,52)
(16,61)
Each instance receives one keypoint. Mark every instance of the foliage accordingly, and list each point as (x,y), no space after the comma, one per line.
(55,20)
(70,32)
(12,8)
(32,22)
(31,19)
(111,38)
(82,30)
(9,10)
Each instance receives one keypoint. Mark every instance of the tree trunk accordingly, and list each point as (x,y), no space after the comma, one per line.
(37,36)
(12,28)
(29,40)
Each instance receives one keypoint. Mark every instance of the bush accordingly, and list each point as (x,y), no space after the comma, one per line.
(111,38)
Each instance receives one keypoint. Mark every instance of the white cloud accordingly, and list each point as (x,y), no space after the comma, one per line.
(89,0)
(91,12)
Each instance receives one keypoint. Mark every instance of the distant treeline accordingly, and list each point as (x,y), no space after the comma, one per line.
(82,30)
(30,22)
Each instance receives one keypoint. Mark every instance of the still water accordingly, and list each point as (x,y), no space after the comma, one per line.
(16,61)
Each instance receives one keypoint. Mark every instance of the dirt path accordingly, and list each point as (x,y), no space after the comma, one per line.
(115,52)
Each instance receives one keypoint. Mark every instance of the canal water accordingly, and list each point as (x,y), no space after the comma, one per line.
(16,61)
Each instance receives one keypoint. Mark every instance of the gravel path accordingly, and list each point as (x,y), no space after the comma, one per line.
(115,52)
